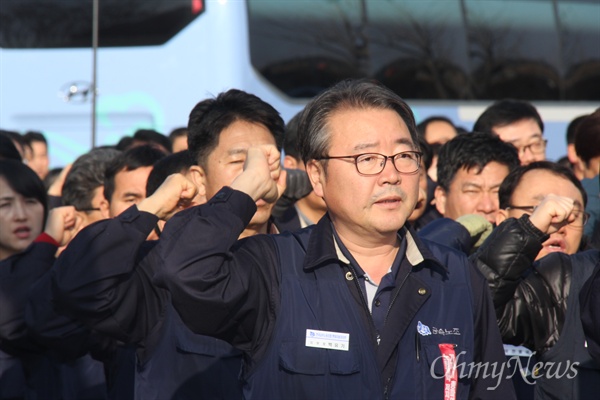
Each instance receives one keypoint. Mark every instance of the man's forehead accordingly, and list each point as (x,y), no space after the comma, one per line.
(536,184)
(353,128)
(519,131)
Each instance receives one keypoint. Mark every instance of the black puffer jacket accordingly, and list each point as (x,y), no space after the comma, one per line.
(537,306)
(530,302)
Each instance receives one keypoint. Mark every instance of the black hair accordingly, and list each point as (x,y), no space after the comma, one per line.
(24,181)
(587,137)
(174,163)
(474,150)
(422,126)
(34,136)
(8,150)
(18,141)
(572,128)
(177,132)
(506,112)
(211,116)
(510,183)
(124,143)
(290,140)
(150,136)
(134,158)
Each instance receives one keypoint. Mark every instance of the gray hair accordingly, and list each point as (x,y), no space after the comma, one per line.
(314,138)
(86,174)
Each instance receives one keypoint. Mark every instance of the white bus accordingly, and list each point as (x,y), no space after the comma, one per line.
(157,58)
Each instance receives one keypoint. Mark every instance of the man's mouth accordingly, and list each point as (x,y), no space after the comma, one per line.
(555,245)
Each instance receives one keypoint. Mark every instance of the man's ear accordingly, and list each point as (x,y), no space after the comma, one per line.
(290,162)
(198,176)
(104,209)
(440,199)
(316,174)
(501,215)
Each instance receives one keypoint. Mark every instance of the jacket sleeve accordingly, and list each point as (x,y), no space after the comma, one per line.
(506,255)
(17,274)
(449,233)
(64,338)
(220,286)
(103,278)
(528,297)
(590,312)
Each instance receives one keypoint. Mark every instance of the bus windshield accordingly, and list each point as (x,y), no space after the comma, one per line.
(451,50)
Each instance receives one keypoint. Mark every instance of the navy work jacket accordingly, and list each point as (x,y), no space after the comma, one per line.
(270,295)
(104,279)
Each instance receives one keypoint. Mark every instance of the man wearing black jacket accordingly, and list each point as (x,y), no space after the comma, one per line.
(537,304)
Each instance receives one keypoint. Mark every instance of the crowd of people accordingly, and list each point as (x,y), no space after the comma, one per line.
(350,253)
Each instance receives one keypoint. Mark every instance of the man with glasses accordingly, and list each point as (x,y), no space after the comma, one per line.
(355,306)
(526,187)
(537,303)
(516,122)
(84,186)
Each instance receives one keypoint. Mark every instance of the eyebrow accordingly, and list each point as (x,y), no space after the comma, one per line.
(363,146)
(132,194)
(236,151)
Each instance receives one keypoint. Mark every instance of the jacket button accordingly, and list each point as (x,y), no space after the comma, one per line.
(377,303)
(349,276)
(422,291)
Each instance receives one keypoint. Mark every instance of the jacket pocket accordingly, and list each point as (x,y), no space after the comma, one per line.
(296,357)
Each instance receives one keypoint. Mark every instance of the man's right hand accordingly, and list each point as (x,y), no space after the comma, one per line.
(553,213)
(175,194)
(262,177)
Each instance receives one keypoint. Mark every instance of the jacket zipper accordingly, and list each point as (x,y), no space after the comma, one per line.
(387,384)
(365,304)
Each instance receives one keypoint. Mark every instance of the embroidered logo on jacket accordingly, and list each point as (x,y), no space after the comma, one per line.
(423,329)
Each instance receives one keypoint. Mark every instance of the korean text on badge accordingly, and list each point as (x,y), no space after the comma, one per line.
(327,340)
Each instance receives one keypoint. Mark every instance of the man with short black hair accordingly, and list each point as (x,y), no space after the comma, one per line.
(516,122)
(172,362)
(39,161)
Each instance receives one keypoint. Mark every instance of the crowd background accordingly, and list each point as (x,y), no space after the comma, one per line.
(474,186)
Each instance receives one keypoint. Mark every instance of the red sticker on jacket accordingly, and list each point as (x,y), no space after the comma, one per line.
(450,373)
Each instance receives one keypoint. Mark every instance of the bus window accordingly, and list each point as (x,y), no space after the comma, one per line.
(68,23)
(445,50)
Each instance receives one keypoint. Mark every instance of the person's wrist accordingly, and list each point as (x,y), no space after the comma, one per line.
(151,206)
(247,183)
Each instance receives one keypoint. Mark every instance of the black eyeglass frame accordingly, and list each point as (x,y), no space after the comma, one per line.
(355,158)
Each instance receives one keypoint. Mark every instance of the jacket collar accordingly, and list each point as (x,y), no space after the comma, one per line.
(322,248)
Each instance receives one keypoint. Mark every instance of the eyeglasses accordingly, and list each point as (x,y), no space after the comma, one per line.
(406,162)
(536,147)
(581,218)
